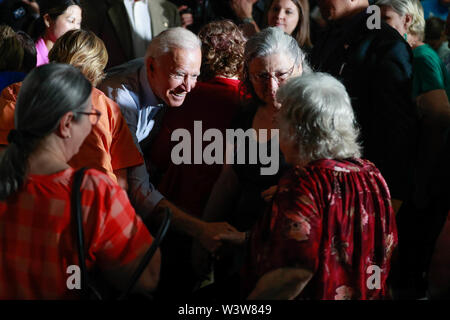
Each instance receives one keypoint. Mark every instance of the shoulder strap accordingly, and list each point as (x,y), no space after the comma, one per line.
(149,254)
(87,290)
(77,216)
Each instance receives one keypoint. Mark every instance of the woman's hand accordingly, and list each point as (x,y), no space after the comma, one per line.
(435,105)
(281,284)
(213,233)
(268,194)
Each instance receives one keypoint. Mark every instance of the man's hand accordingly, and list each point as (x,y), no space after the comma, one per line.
(236,238)
(212,234)
(243,8)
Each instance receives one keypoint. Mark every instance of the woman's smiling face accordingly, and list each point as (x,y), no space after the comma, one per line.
(284,14)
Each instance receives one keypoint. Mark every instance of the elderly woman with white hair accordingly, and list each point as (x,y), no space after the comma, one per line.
(271,57)
(331,230)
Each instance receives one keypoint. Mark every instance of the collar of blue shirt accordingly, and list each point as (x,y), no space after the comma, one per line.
(147,97)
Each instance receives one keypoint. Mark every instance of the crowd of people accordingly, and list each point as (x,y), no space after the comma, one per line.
(357,120)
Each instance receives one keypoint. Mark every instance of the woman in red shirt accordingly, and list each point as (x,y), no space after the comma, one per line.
(331,230)
(53,116)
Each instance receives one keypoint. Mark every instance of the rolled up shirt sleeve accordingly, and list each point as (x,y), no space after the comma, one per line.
(143,195)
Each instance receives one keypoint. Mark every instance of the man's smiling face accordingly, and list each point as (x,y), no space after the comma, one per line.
(174,74)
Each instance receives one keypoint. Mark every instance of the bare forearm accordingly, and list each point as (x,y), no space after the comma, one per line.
(223,195)
(281,284)
(181,221)
(209,234)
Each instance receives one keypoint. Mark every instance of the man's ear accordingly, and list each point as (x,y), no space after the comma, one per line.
(64,129)
(150,65)
(47,20)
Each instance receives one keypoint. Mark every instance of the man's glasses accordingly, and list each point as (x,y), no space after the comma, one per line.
(93,116)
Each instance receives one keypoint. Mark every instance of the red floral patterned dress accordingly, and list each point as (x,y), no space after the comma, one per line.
(334,218)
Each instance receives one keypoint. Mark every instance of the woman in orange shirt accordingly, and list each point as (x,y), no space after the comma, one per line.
(53,116)
(109,147)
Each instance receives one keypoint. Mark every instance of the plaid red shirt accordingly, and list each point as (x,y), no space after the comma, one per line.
(37,239)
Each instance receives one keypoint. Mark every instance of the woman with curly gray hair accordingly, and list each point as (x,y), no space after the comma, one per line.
(241,193)
(331,225)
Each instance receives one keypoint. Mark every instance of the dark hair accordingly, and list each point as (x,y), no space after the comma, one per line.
(29,51)
(54,8)
(11,51)
(222,49)
(47,93)
(433,28)
(16,14)
(301,32)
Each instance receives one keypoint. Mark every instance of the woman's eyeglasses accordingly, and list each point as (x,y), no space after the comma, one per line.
(279,76)
(93,116)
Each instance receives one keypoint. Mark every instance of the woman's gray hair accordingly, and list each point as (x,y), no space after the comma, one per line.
(270,41)
(316,115)
(47,93)
(170,39)
(413,8)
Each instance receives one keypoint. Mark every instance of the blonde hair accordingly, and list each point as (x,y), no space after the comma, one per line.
(84,50)
(11,50)
(411,7)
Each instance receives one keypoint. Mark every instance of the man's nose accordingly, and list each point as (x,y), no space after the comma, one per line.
(189,83)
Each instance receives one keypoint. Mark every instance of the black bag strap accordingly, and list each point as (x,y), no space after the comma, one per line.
(150,252)
(76,214)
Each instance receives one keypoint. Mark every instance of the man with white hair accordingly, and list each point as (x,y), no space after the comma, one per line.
(143,88)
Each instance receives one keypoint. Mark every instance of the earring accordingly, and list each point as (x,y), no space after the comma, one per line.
(406,37)
(68,137)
